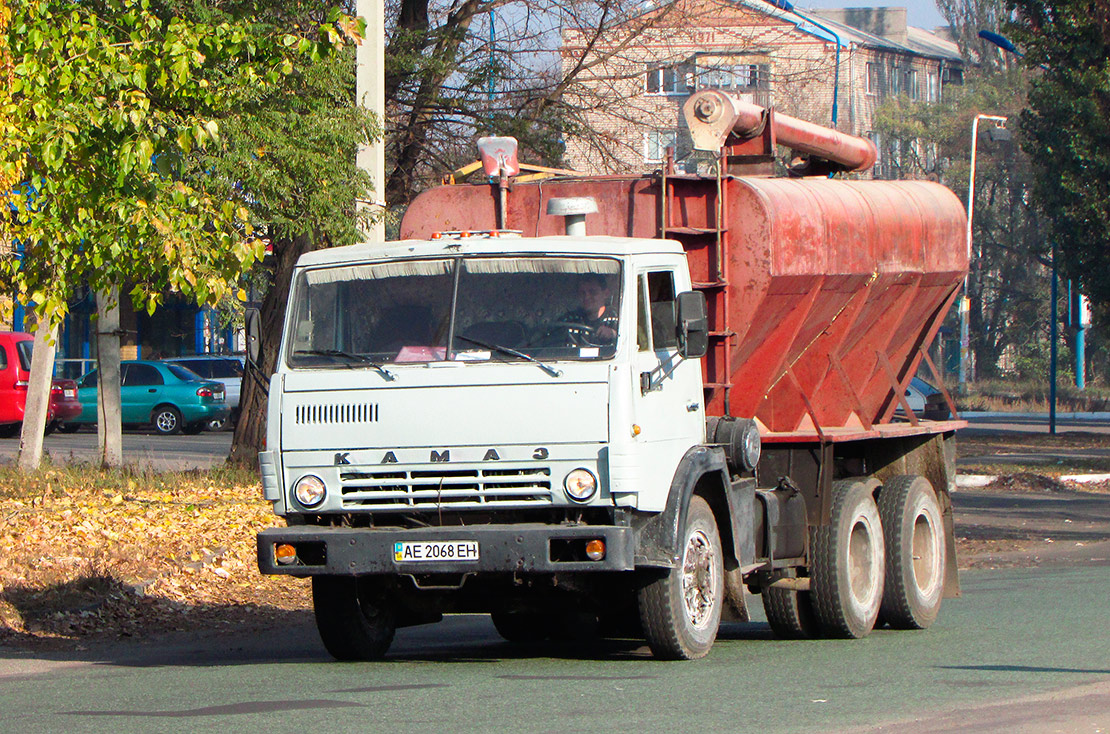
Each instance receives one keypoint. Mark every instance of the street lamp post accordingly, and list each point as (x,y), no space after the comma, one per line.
(965,302)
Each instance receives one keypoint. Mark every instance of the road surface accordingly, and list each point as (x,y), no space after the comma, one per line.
(1024,650)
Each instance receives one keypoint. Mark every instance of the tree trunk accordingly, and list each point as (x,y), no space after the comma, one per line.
(250,431)
(109,429)
(38,396)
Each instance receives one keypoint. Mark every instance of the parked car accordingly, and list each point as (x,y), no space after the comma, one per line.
(15,371)
(927,401)
(225,368)
(167,396)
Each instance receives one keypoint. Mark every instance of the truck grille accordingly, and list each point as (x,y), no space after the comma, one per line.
(336,413)
(458,488)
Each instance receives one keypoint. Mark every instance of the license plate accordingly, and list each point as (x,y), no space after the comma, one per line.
(409,551)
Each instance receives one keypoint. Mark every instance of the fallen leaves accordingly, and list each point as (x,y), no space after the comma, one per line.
(88,553)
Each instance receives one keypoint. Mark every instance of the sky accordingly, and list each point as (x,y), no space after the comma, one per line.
(920,13)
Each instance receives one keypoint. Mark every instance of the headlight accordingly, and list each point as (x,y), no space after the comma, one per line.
(310,490)
(580,485)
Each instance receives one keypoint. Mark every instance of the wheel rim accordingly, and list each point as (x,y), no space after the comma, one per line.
(862,562)
(166,421)
(926,554)
(700,581)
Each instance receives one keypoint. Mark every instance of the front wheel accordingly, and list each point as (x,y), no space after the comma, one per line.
(681,610)
(354,620)
(166,420)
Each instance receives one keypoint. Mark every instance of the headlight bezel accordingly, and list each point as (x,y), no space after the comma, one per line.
(305,482)
(573,477)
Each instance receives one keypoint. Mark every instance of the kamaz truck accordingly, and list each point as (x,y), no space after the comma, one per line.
(594,406)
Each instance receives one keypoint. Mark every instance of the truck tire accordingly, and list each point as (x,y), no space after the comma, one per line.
(354,622)
(847,563)
(681,610)
(916,552)
(790,613)
(522,627)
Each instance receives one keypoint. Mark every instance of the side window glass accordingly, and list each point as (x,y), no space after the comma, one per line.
(662,308)
(89,380)
(3,358)
(142,374)
(643,344)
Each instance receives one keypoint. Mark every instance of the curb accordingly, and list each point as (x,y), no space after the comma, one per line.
(1094,416)
(973,481)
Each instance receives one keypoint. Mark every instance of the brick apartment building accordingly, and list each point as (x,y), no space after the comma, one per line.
(639,75)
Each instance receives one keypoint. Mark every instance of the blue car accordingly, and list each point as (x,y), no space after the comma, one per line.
(167,396)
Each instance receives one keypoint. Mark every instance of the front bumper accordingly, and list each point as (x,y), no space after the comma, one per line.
(512,548)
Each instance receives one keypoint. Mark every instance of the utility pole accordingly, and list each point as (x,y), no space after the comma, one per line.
(370,93)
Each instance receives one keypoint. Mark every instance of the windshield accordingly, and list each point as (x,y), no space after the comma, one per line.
(546,308)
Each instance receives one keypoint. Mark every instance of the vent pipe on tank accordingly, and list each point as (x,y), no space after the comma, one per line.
(574,211)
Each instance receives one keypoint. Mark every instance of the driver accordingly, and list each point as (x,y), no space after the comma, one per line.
(594,309)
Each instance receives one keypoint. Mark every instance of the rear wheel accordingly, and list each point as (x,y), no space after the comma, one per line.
(353,617)
(166,420)
(523,627)
(916,552)
(681,610)
(790,613)
(848,560)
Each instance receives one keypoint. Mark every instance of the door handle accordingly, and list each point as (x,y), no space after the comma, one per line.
(151,390)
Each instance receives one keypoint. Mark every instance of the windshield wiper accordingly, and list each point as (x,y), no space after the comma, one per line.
(335,354)
(512,352)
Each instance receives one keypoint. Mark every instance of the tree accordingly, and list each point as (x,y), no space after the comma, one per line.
(1008,279)
(109,102)
(1067,127)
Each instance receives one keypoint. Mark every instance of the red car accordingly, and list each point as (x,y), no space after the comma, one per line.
(15,370)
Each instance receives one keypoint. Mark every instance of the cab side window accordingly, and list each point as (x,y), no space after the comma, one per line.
(661,303)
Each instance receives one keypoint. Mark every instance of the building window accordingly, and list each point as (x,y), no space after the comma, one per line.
(656,143)
(877,141)
(933,88)
(895,80)
(953,76)
(910,83)
(674,79)
(874,82)
(723,74)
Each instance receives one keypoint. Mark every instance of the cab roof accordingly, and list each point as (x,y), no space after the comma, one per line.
(484,244)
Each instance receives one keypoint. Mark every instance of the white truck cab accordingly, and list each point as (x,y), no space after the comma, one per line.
(463,410)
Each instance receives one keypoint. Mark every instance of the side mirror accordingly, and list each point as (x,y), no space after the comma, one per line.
(693,325)
(253,329)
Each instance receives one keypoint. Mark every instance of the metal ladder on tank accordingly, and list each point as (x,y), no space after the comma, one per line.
(713,282)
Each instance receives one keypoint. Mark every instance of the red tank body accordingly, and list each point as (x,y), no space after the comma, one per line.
(821,292)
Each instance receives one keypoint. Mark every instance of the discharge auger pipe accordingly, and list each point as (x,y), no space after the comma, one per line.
(713,115)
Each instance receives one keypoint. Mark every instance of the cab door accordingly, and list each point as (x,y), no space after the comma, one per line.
(668,394)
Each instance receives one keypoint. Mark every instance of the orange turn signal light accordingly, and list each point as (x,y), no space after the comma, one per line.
(285,553)
(595,549)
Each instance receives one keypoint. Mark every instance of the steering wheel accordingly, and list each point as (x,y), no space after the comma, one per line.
(576,334)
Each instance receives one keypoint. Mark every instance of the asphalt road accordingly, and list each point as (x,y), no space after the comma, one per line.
(144,449)
(1023,650)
